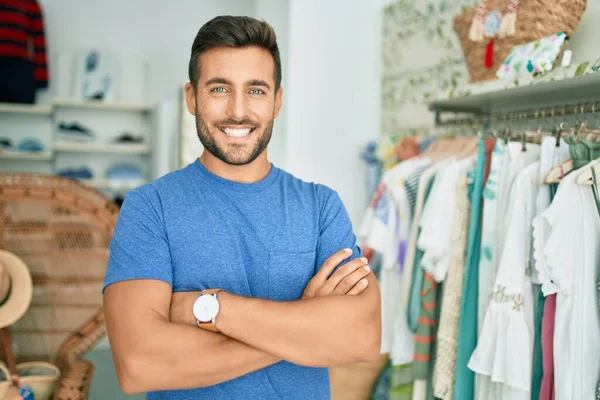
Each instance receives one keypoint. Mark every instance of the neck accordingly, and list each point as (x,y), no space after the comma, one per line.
(254,172)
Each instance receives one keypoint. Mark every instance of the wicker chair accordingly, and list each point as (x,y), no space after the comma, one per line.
(61,230)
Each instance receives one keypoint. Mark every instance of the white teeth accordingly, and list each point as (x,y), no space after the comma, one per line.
(236,132)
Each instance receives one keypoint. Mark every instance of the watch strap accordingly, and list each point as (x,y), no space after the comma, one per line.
(211,291)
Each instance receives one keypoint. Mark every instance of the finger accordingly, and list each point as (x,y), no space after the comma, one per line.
(351,280)
(330,264)
(359,287)
(340,274)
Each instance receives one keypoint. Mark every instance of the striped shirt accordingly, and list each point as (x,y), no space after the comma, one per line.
(22,36)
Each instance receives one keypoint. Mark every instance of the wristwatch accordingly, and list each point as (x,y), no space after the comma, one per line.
(206,308)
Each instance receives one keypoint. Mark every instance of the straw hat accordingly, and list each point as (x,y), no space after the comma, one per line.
(15,288)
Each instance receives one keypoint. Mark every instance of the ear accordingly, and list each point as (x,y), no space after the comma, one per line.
(278,101)
(190,98)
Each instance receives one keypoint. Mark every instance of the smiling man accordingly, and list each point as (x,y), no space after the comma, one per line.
(231,278)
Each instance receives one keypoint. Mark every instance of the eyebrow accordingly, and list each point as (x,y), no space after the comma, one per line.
(223,81)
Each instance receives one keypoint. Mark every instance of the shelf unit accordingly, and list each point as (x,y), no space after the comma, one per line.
(107,120)
(106,148)
(14,155)
(113,183)
(497,96)
(25,109)
(96,105)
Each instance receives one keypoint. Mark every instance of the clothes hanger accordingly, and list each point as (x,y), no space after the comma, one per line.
(586,176)
(558,172)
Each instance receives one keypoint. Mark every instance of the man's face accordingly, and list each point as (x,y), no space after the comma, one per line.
(235,103)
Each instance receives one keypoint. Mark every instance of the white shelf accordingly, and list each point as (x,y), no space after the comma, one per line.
(38,155)
(25,109)
(113,183)
(129,148)
(99,105)
(553,89)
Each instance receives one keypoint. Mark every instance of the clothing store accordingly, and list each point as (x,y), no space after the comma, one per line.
(453,145)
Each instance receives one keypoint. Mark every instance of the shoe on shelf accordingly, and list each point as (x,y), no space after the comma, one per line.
(75,132)
(6,143)
(76,173)
(128,137)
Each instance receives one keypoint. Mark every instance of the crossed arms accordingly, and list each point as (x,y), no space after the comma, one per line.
(157,346)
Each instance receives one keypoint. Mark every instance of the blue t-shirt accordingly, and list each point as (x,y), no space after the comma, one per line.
(195,231)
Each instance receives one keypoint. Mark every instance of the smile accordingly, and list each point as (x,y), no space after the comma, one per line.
(237,132)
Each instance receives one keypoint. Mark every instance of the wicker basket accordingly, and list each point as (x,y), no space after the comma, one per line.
(39,376)
(535,20)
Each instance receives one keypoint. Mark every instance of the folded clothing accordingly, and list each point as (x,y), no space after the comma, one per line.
(31,144)
(124,172)
(76,173)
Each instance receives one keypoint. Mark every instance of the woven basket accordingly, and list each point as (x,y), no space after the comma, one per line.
(535,19)
(39,376)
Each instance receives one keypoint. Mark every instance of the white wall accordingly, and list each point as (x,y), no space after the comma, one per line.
(160,31)
(276,13)
(333,93)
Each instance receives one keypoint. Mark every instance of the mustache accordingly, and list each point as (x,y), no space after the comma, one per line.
(240,122)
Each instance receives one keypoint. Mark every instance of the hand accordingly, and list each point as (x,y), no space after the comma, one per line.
(349,279)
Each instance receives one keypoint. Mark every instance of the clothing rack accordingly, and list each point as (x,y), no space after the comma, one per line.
(546,113)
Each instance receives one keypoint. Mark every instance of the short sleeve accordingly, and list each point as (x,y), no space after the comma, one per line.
(139,248)
(335,228)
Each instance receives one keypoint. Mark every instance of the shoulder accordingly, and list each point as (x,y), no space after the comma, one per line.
(321,192)
(152,194)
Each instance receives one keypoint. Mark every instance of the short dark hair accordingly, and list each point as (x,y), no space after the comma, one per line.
(238,32)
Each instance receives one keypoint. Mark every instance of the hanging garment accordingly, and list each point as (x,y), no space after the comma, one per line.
(467,324)
(582,151)
(438,219)
(434,245)
(567,257)
(543,367)
(504,349)
(547,384)
(380,231)
(488,224)
(420,364)
(515,161)
(403,339)
(23,61)
(445,362)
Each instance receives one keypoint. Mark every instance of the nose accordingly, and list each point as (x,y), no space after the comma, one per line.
(237,107)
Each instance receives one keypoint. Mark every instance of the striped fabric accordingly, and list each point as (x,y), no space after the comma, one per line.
(22,35)
(427,323)
(412,187)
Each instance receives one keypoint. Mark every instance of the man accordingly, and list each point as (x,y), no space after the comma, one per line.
(221,281)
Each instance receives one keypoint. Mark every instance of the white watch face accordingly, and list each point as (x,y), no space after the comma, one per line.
(205,308)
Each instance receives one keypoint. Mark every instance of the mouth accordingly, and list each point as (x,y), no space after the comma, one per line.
(237,132)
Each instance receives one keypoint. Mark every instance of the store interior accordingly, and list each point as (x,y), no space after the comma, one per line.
(375,94)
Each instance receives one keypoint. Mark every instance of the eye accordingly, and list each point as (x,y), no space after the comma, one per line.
(256,91)
(219,89)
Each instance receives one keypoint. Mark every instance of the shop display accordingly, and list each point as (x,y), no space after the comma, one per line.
(487,38)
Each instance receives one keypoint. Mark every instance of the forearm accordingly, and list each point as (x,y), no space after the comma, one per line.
(318,332)
(169,356)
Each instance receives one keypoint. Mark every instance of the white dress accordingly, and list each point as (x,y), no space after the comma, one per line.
(567,256)
(504,349)
(488,228)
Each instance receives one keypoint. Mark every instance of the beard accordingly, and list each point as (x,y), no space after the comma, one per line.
(234,153)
